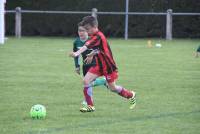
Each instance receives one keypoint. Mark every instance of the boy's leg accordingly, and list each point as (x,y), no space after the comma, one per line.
(89,77)
(121,90)
(197,54)
(89,89)
(98,81)
(131,95)
(111,78)
(84,71)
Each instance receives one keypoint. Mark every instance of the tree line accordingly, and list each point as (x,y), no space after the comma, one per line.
(111,25)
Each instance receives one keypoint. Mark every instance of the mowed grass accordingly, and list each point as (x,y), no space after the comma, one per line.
(38,71)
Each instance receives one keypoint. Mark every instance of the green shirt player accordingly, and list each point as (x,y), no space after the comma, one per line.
(78,43)
(197,52)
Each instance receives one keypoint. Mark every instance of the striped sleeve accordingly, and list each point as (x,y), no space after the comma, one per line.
(93,42)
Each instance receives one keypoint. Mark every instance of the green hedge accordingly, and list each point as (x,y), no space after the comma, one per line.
(111,25)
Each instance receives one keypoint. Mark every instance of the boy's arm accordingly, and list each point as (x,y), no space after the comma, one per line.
(77,53)
(90,56)
(91,43)
(76,60)
(93,53)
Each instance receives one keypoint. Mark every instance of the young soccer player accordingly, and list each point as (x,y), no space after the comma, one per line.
(105,64)
(197,52)
(78,43)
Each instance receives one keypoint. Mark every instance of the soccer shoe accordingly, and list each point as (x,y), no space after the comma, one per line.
(132,101)
(87,109)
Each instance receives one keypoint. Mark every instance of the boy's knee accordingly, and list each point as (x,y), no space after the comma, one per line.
(113,90)
(111,87)
(85,82)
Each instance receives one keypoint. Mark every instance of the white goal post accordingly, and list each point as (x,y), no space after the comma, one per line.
(2,21)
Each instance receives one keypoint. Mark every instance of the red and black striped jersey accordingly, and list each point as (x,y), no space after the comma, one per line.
(104,58)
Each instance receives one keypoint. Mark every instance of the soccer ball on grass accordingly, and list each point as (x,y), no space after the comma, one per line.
(38,111)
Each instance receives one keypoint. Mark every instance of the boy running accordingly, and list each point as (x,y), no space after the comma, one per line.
(105,64)
(78,43)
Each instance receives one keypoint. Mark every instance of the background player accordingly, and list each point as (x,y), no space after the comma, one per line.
(197,53)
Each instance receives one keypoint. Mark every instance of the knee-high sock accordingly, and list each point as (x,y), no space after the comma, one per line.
(88,95)
(124,92)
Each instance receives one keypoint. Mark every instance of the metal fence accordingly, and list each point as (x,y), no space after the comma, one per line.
(94,12)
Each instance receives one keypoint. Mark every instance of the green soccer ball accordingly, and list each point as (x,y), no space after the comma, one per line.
(38,112)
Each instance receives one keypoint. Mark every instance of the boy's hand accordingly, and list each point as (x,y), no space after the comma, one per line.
(89,59)
(77,70)
(72,54)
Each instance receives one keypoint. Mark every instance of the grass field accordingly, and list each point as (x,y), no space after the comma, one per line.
(38,71)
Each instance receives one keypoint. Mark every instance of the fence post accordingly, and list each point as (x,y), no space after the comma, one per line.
(18,21)
(2,22)
(126,21)
(169,24)
(94,12)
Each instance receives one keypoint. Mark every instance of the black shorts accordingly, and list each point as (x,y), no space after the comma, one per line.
(85,69)
(198,49)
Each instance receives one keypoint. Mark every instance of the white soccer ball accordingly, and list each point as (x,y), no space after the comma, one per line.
(158,45)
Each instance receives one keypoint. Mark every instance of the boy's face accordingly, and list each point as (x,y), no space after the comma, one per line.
(90,30)
(82,32)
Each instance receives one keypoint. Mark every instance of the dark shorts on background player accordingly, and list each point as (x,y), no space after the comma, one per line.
(85,69)
(109,77)
(198,49)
